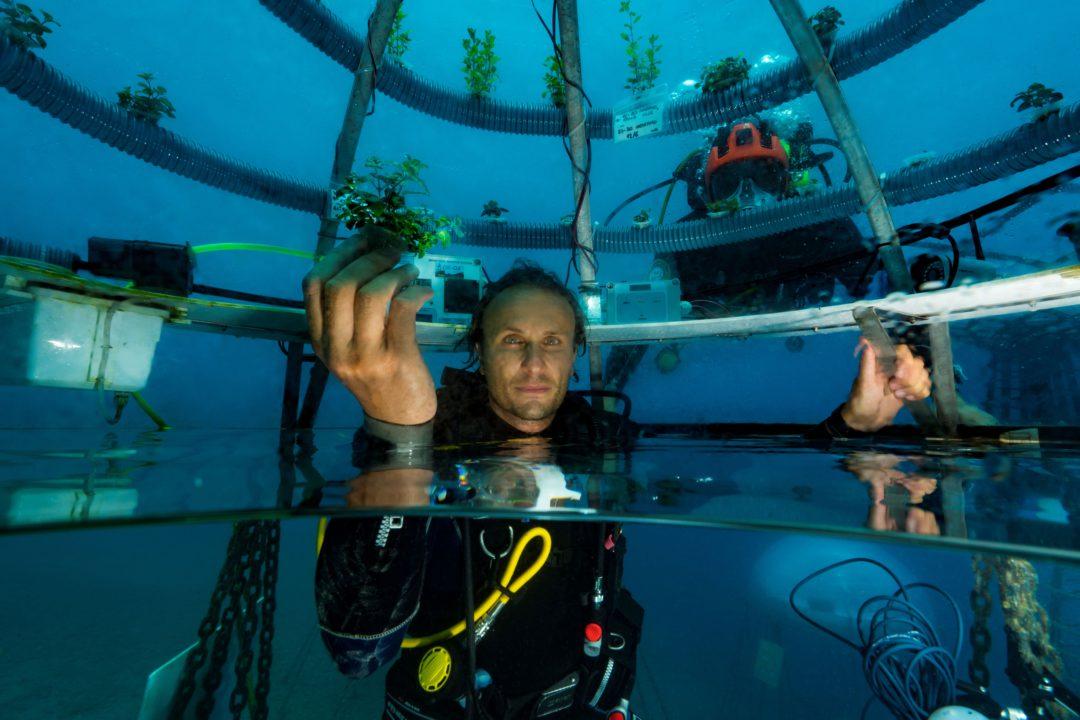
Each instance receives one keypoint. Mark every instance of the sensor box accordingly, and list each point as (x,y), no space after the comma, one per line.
(457,282)
(57,339)
(648,301)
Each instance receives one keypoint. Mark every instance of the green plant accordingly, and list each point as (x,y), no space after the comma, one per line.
(725,206)
(479,64)
(492,209)
(643,61)
(554,82)
(399,39)
(22,26)
(1036,96)
(379,198)
(826,21)
(148,102)
(719,76)
(643,218)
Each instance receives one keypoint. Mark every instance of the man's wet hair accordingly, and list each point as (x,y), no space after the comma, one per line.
(523,273)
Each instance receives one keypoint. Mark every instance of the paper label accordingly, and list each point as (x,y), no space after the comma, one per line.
(639,118)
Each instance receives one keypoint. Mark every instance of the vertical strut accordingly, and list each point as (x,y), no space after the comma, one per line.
(380,24)
(570,44)
(862,170)
(944,379)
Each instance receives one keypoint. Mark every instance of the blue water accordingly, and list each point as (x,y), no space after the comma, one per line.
(87,612)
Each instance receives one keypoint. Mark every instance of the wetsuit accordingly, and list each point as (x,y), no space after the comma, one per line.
(377,578)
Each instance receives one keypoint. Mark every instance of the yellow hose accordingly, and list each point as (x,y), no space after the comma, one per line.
(497,596)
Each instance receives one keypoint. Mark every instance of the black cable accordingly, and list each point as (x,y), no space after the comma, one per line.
(635,196)
(251,297)
(374,69)
(954,264)
(470,621)
(588,254)
(904,663)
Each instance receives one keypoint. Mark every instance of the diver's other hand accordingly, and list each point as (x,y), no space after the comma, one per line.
(875,397)
(372,351)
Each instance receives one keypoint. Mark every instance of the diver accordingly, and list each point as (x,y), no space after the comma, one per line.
(747,165)
(389,590)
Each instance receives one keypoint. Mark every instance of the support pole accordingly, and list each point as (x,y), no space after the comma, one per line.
(570,44)
(382,20)
(363,87)
(944,378)
(290,401)
(832,99)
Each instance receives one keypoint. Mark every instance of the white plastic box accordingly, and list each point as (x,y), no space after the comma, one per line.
(56,339)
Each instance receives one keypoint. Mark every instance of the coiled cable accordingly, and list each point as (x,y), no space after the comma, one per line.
(905,662)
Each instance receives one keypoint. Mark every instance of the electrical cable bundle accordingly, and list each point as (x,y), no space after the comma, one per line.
(904,661)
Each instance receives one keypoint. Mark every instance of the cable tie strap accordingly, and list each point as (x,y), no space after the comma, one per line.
(505,591)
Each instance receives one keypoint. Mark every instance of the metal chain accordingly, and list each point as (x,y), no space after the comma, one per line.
(266,637)
(248,574)
(1028,626)
(980,632)
(249,619)
(209,624)
(220,652)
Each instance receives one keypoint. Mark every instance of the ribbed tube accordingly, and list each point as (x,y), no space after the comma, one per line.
(40,253)
(909,23)
(33,80)
(1015,151)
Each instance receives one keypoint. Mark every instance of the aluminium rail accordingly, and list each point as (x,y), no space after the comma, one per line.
(1050,289)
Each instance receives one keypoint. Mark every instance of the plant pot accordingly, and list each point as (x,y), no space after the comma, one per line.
(1038,114)
(378,238)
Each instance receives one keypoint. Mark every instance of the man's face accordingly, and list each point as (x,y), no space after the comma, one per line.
(528,355)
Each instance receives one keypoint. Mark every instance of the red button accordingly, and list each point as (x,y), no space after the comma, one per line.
(616,715)
(593,633)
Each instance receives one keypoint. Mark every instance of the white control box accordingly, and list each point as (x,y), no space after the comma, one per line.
(57,339)
(457,282)
(641,302)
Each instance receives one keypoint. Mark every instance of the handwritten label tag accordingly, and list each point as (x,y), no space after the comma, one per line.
(639,118)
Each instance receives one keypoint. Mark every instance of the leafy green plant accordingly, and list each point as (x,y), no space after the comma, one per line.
(479,64)
(22,26)
(554,82)
(147,102)
(726,206)
(641,58)
(1036,96)
(826,22)
(378,198)
(720,76)
(399,39)
(493,210)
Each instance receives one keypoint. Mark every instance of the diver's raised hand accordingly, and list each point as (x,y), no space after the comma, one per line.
(370,348)
(875,397)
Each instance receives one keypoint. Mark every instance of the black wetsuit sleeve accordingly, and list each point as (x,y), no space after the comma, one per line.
(368,581)
(380,445)
(834,428)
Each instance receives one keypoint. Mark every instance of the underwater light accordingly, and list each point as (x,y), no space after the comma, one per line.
(769,59)
(691,82)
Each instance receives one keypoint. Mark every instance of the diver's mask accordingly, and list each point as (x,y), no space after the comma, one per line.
(748,165)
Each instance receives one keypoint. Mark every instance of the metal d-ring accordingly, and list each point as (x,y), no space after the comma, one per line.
(616,641)
(504,553)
